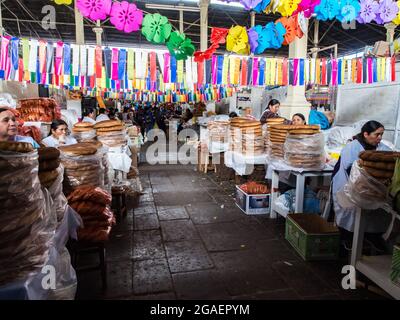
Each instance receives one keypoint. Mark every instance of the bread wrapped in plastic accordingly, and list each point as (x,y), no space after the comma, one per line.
(27,224)
(365,191)
(84,135)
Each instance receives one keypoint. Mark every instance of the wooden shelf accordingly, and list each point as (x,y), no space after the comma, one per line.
(377,268)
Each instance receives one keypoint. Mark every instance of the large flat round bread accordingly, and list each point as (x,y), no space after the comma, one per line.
(107,124)
(388,166)
(83,125)
(379,156)
(303,131)
(376,173)
(79,149)
(115,128)
(109,133)
(275,120)
(22,147)
(48,176)
(84,129)
(292,127)
(48,153)
(93,143)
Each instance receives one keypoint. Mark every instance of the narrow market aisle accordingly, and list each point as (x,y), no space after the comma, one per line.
(188,240)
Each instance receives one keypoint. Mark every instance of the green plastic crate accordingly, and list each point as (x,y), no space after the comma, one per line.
(395,273)
(312,237)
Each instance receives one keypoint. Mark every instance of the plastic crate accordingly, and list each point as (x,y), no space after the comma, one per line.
(253,204)
(312,237)
(395,272)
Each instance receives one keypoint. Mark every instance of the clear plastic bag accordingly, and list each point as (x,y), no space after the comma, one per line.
(56,191)
(27,224)
(305,151)
(83,170)
(365,191)
(85,136)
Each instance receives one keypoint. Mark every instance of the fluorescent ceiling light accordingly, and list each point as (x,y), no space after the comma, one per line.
(172,7)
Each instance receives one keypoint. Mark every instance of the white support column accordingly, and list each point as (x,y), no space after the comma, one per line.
(252,18)
(79,29)
(316,38)
(390,28)
(98,30)
(203,5)
(296,100)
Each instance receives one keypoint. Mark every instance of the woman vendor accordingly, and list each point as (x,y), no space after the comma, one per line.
(8,128)
(272,112)
(369,138)
(298,119)
(58,135)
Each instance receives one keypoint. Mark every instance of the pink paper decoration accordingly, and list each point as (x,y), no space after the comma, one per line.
(126,16)
(94,9)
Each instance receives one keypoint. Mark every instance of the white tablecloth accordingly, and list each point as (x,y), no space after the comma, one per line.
(243,165)
(282,166)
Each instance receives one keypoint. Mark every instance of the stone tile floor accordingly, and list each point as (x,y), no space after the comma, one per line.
(188,240)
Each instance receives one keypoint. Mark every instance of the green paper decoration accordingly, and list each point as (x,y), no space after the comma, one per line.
(179,46)
(156,28)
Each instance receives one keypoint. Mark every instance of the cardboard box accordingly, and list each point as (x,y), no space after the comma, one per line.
(312,237)
(253,204)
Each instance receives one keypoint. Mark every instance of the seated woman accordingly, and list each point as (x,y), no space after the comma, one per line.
(58,135)
(8,128)
(298,120)
(369,138)
(272,112)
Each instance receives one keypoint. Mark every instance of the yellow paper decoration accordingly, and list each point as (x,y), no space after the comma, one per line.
(61,2)
(232,61)
(237,40)
(180,71)
(225,71)
(397,19)
(287,7)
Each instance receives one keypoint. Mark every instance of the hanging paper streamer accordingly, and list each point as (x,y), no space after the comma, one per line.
(58,59)
(14,53)
(324,77)
(99,62)
(75,60)
(285,68)
(153,67)
(220,64)
(122,64)
(33,55)
(173,69)
(334,79)
(180,70)
(91,61)
(83,60)
(114,64)
(200,73)
(166,67)
(301,75)
(255,71)
(261,79)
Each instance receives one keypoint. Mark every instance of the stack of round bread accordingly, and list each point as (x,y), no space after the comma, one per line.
(84,131)
(49,161)
(246,136)
(111,133)
(379,164)
(218,131)
(25,230)
(278,134)
(305,151)
(83,165)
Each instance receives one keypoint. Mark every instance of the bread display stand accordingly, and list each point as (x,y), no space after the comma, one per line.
(376,268)
(243,164)
(274,168)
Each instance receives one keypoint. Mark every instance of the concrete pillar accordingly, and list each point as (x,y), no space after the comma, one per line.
(98,30)
(203,5)
(296,101)
(79,29)
(316,38)
(390,28)
(252,18)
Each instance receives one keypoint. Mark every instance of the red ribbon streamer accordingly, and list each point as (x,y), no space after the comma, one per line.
(359,70)
(200,72)
(393,63)
(285,79)
(99,61)
(324,73)
(243,81)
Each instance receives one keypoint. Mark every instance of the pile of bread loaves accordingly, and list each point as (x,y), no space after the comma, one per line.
(93,205)
(111,133)
(39,109)
(379,164)
(278,134)
(246,136)
(84,131)
(83,165)
(49,161)
(25,224)
(218,131)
